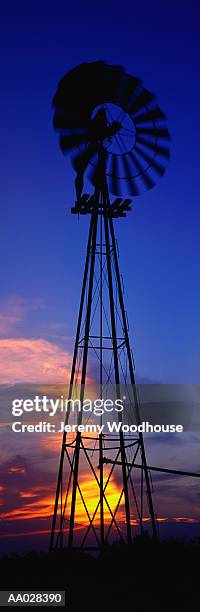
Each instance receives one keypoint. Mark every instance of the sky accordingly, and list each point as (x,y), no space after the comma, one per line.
(42,244)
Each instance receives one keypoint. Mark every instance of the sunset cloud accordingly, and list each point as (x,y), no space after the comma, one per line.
(13,311)
(28,495)
(41,502)
(32,360)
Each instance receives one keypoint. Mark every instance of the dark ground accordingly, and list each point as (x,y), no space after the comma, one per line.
(162,577)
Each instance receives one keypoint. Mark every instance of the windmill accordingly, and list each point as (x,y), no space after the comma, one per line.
(118,141)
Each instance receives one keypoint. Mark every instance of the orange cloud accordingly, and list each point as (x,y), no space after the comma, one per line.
(38,504)
(43,507)
(32,360)
(90,491)
(16,470)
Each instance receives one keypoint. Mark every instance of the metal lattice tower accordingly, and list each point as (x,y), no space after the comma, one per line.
(112,125)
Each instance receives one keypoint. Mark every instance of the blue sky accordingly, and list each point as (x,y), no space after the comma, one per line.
(42,244)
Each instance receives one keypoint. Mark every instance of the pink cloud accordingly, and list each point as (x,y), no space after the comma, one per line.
(33,360)
(13,311)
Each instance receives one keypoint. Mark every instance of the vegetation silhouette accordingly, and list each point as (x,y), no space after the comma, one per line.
(147,575)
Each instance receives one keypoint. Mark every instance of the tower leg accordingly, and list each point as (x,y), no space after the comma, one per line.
(132,377)
(117,378)
(101,465)
(83,377)
(83,293)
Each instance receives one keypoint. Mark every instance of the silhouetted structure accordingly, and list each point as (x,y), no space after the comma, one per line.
(118,140)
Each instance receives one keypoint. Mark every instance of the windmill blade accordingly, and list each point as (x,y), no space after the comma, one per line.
(130,181)
(64,120)
(59,119)
(82,89)
(79,91)
(142,100)
(70,141)
(128,86)
(159,169)
(154,132)
(150,115)
(158,149)
(112,77)
(147,180)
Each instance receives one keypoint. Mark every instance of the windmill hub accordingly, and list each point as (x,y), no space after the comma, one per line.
(102,127)
(119,130)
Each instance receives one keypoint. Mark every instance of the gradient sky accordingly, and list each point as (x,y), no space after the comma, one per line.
(42,244)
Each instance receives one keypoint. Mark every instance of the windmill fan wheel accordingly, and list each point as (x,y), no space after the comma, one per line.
(100,105)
